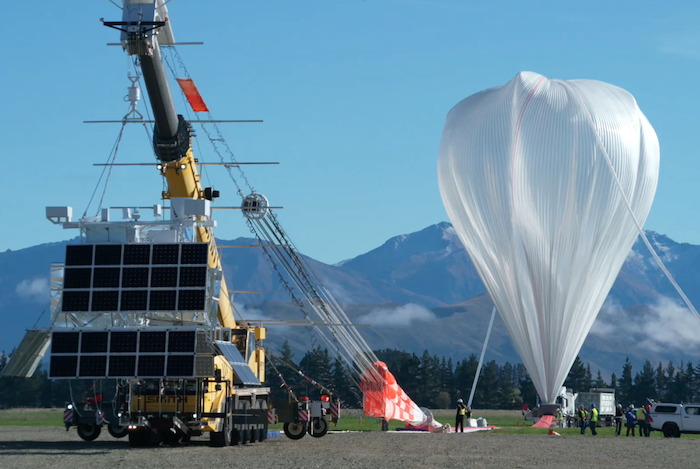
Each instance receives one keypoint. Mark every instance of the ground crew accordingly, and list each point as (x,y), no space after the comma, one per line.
(619,415)
(560,418)
(461,413)
(642,421)
(594,419)
(582,418)
(631,420)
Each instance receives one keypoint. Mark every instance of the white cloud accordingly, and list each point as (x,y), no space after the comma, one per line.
(403,316)
(663,325)
(36,289)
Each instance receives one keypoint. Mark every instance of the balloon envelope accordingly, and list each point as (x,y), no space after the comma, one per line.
(524,178)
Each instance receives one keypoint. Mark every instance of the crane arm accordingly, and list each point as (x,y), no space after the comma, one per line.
(144,26)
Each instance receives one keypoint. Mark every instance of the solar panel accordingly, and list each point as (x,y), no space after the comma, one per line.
(181,341)
(76,301)
(166,254)
(63,366)
(79,254)
(134,300)
(193,276)
(162,300)
(121,342)
(93,366)
(151,366)
(105,277)
(137,254)
(108,254)
(65,342)
(164,277)
(195,253)
(77,277)
(243,373)
(94,342)
(122,366)
(135,277)
(191,300)
(105,301)
(152,341)
(181,366)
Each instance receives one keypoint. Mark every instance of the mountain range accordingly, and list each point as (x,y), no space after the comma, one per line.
(418,291)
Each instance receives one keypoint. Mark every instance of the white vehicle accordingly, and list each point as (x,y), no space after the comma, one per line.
(674,419)
(604,400)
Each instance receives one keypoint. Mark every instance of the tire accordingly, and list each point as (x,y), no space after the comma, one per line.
(223,438)
(254,435)
(670,430)
(294,431)
(117,431)
(88,431)
(263,430)
(319,427)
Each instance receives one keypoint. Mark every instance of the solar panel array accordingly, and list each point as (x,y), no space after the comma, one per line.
(130,354)
(135,277)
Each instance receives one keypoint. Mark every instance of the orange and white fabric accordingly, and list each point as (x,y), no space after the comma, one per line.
(383,397)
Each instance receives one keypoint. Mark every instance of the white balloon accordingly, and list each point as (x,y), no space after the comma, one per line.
(524,178)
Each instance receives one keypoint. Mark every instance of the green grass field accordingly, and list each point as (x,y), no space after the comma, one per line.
(32,417)
(510,421)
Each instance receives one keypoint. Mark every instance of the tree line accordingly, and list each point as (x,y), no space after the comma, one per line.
(431,381)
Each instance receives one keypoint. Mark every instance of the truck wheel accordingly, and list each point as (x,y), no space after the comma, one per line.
(263,429)
(319,427)
(88,431)
(670,430)
(294,430)
(222,438)
(117,431)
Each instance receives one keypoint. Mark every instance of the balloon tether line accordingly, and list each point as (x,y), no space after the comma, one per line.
(481,359)
(631,212)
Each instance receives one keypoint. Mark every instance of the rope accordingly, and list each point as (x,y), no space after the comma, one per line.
(284,383)
(112,156)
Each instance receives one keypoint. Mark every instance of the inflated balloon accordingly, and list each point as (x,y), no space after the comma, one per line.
(527,175)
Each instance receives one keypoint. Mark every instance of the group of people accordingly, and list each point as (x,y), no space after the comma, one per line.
(588,419)
(633,418)
(462,412)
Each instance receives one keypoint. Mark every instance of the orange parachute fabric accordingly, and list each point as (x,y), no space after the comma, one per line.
(192,94)
(383,397)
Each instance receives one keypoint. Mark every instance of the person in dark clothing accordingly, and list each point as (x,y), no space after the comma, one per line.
(461,413)
(631,418)
(619,415)
(582,418)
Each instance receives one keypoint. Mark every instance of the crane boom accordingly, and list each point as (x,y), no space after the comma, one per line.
(144,25)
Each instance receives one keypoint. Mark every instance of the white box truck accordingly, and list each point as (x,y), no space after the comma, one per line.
(604,400)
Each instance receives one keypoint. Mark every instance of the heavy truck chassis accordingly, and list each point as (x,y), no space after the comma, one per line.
(171,411)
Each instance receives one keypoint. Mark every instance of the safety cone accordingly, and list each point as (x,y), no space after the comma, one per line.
(553,433)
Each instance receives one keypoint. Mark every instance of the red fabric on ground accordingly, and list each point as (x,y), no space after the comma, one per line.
(544,422)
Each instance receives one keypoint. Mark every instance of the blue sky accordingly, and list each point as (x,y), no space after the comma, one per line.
(353,93)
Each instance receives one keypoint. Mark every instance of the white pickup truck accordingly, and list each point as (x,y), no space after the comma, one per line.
(674,419)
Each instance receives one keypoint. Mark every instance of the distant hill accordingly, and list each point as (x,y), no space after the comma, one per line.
(419,291)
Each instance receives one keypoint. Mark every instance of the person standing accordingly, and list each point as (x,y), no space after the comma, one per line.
(647,410)
(461,412)
(560,418)
(593,420)
(619,415)
(631,420)
(642,420)
(582,418)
